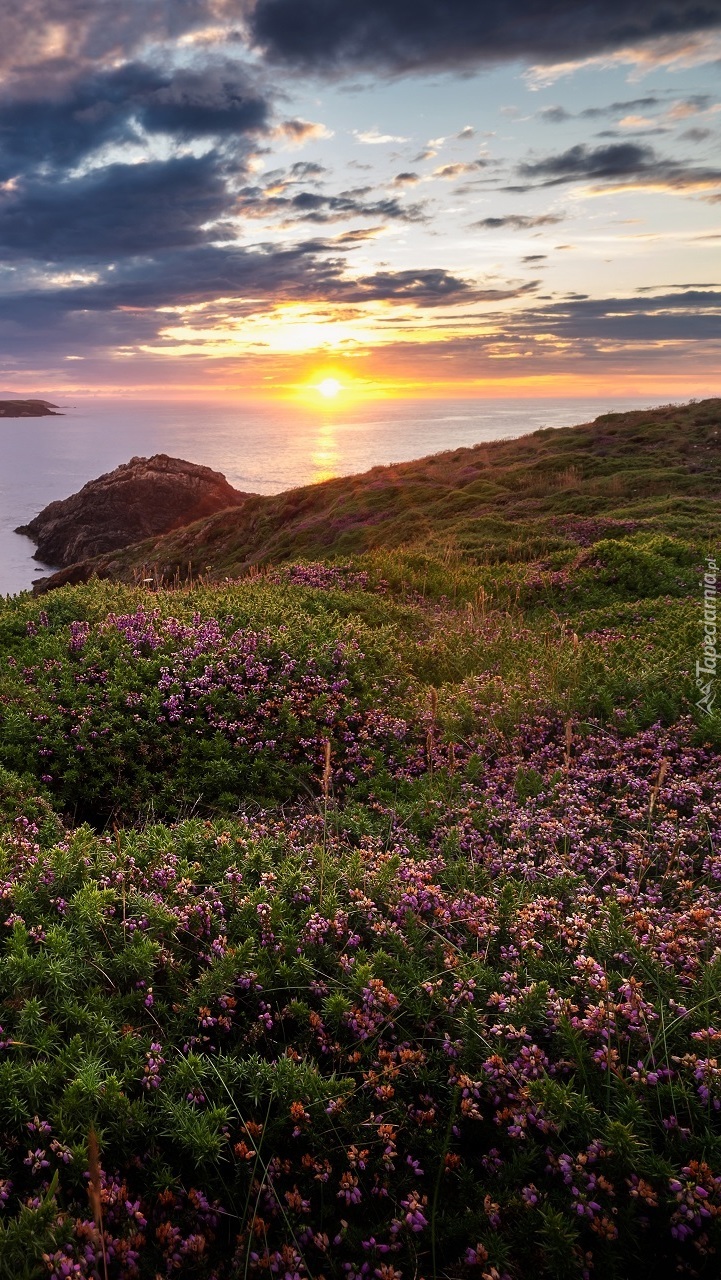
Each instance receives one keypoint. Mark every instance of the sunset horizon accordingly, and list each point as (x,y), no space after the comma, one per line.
(242,198)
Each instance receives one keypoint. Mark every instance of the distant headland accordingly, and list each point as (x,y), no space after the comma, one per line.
(28,409)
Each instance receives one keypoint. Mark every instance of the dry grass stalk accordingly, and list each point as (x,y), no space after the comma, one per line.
(94,1191)
(429,745)
(326,768)
(569,745)
(119,851)
(662,771)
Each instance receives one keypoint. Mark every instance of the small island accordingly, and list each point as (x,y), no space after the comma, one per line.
(28,409)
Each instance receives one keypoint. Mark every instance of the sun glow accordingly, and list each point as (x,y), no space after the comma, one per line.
(329,388)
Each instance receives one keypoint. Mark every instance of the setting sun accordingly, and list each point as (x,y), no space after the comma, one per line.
(329,388)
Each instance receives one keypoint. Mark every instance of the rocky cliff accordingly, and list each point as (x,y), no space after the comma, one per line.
(140,499)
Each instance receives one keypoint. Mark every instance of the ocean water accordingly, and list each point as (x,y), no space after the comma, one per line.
(260,447)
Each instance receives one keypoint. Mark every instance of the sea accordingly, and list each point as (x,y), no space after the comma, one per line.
(261,447)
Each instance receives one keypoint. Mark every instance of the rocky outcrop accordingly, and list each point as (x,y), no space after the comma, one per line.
(28,409)
(140,499)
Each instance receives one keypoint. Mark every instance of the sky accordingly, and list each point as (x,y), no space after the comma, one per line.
(375,197)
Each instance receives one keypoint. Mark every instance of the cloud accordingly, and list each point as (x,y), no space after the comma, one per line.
(299,132)
(61,125)
(64,33)
(428,287)
(425,287)
(332,35)
(700,102)
(672,52)
(668,317)
(695,135)
(200,103)
(577,334)
(406,179)
(306,171)
(315,206)
(555,115)
(695,284)
(458,169)
(120,210)
(467,132)
(638,122)
(122,306)
(121,310)
(628,163)
(558,115)
(373,137)
(620,160)
(519,222)
(672,113)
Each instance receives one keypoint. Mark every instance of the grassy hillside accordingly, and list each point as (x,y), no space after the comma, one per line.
(360,918)
(655,471)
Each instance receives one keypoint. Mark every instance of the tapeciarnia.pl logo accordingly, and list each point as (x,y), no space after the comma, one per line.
(707,668)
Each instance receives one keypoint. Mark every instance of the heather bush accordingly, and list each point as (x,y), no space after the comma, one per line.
(466,1032)
(162,704)
(139,708)
(362,921)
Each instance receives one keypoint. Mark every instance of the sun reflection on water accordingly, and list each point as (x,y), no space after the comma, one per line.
(325,455)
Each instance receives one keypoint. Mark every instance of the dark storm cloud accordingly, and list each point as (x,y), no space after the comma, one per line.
(194,104)
(122,209)
(64,126)
(401,35)
(626,162)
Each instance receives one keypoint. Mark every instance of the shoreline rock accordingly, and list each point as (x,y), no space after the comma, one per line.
(139,499)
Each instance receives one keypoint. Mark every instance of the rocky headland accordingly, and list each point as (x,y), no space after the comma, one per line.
(140,499)
(554,493)
(28,409)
